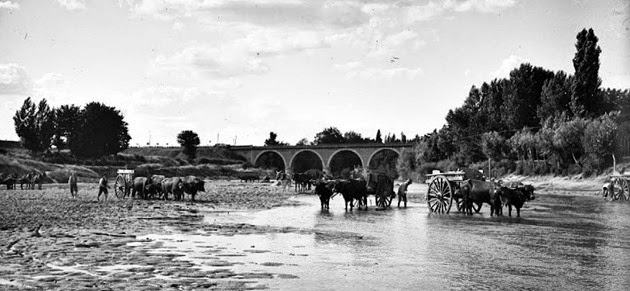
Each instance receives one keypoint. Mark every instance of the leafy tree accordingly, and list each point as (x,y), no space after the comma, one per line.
(378,138)
(330,135)
(67,123)
(555,97)
(353,137)
(599,139)
(403,138)
(524,144)
(34,124)
(103,131)
(493,145)
(406,163)
(303,142)
(523,97)
(190,141)
(585,99)
(616,100)
(567,138)
(272,140)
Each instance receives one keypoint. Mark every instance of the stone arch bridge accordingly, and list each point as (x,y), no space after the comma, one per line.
(326,153)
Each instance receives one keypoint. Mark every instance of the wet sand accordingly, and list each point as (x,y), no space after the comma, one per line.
(50,241)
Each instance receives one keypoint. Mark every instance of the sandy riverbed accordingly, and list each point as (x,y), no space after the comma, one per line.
(51,241)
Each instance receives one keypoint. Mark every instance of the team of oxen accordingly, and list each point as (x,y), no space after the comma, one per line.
(355,191)
(28,181)
(496,194)
(160,187)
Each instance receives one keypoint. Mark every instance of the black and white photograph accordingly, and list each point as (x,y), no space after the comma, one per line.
(315,145)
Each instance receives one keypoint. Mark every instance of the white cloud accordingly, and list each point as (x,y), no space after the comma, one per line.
(261,12)
(72,4)
(391,45)
(243,56)
(478,5)
(508,65)
(9,5)
(355,70)
(14,79)
(206,60)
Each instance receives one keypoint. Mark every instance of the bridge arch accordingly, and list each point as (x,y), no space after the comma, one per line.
(332,156)
(381,150)
(284,162)
(291,164)
(344,158)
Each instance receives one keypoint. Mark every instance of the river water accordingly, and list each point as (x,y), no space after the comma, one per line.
(561,242)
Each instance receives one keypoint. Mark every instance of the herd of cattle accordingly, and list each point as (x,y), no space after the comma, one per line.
(30,180)
(354,190)
(160,187)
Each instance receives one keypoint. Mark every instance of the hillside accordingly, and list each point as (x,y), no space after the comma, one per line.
(212,163)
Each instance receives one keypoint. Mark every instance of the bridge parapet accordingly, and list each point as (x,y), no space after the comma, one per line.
(326,153)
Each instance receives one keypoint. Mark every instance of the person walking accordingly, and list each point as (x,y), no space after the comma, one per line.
(102,188)
(72,182)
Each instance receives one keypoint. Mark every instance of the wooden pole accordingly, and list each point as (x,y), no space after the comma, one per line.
(489,168)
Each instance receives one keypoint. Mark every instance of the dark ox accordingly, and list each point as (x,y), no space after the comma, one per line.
(324,191)
(249,177)
(351,190)
(173,186)
(478,192)
(192,185)
(516,197)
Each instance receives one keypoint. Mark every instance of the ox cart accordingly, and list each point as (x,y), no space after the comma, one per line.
(123,183)
(618,188)
(444,191)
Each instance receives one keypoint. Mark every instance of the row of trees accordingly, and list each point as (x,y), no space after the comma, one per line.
(535,114)
(332,135)
(92,131)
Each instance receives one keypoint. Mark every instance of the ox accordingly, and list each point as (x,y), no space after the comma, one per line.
(324,191)
(192,185)
(352,190)
(516,197)
(173,186)
(478,192)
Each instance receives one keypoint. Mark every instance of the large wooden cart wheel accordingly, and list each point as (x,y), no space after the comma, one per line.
(383,200)
(440,195)
(119,187)
(620,189)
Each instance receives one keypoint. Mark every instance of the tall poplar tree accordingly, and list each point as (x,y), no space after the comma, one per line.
(585,99)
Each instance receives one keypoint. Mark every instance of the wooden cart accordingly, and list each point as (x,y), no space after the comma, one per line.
(618,187)
(123,183)
(443,191)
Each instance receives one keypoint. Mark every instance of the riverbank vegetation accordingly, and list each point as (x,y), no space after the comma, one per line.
(535,122)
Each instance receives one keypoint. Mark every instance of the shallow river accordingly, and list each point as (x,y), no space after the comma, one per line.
(560,242)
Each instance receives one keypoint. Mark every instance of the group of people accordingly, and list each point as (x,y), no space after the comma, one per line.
(74,189)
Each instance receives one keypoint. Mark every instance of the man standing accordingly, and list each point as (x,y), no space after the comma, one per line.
(402,192)
(102,188)
(72,181)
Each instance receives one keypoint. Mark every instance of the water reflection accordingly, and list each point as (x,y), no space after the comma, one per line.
(560,242)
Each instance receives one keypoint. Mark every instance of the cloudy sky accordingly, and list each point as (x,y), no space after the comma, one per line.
(238,69)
